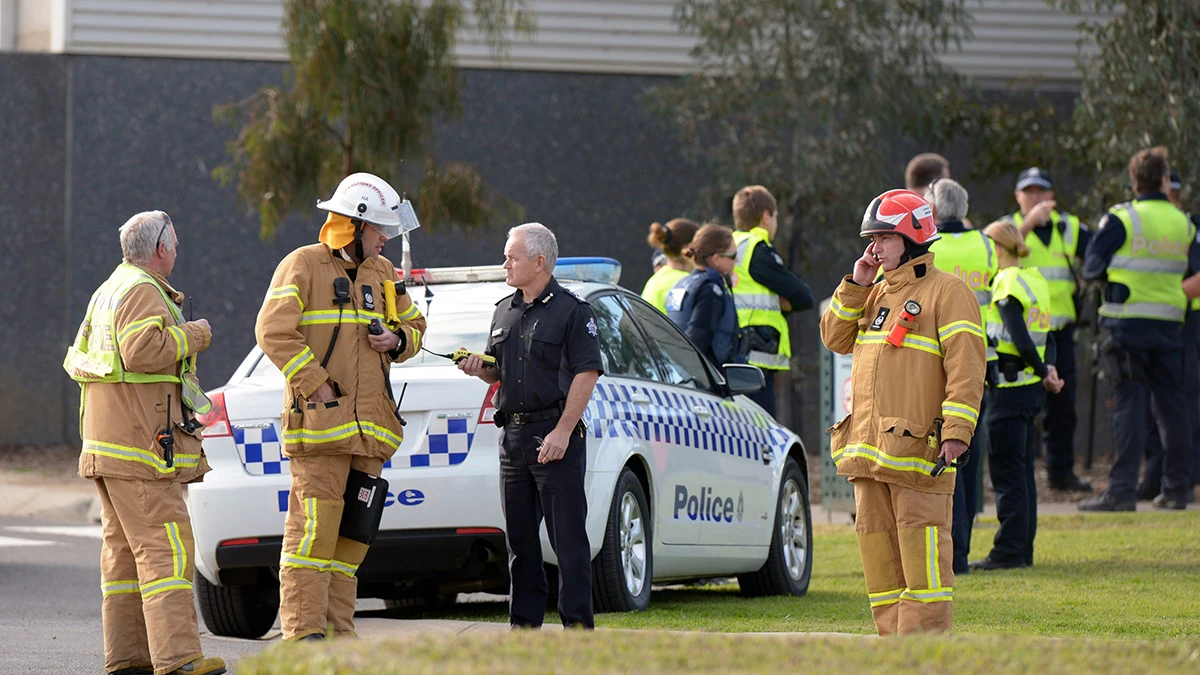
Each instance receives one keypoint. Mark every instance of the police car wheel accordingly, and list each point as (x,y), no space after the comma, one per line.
(624,569)
(242,611)
(788,568)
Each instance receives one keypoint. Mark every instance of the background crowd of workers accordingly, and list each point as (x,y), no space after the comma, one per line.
(1027,274)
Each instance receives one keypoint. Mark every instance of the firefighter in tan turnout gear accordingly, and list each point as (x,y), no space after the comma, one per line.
(917,381)
(324,323)
(134,358)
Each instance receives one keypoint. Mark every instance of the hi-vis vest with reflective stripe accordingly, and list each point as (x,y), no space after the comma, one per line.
(1029,288)
(656,289)
(756,304)
(1151,262)
(970,256)
(94,357)
(1054,261)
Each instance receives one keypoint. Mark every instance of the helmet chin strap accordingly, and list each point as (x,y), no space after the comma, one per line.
(358,245)
(911,251)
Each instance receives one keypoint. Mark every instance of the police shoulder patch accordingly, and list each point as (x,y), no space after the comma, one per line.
(717,290)
(778,259)
(592,329)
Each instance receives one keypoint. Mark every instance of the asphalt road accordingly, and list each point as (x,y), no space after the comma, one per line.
(50,601)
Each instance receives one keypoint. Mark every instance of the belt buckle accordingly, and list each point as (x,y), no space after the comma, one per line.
(519,418)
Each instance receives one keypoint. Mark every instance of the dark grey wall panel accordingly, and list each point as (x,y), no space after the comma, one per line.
(34,320)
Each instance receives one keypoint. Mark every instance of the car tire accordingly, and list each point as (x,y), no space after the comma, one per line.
(788,568)
(243,611)
(624,569)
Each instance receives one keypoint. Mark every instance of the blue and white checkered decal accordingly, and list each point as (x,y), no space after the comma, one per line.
(261,450)
(447,442)
(668,418)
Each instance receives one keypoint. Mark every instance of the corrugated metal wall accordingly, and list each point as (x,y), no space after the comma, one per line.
(1013,38)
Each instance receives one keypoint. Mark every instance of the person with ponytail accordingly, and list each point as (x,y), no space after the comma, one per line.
(671,239)
(1018,328)
(701,304)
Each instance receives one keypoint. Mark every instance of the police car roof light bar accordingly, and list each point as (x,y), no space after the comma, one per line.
(593,269)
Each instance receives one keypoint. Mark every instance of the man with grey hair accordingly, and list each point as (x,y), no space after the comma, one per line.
(970,255)
(134,359)
(544,340)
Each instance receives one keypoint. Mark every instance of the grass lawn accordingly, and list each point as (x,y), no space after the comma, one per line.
(1132,575)
(657,652)
(1099,581)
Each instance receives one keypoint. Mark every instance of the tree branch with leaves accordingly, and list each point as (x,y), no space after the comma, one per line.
(367,81)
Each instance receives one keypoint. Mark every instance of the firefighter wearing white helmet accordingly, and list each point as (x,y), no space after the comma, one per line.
(323,324)
(916,384)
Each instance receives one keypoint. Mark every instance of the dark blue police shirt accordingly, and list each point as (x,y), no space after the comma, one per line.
(541,346)
(701,304)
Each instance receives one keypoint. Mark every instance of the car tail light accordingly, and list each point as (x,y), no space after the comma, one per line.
(216,421)
(487,409)
(478,530)
(239,542)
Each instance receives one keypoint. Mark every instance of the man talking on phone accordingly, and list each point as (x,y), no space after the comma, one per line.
(916,382)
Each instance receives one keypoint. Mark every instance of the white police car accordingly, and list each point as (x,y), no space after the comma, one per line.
(686,477)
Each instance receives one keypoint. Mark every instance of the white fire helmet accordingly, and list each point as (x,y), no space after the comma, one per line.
(369,198)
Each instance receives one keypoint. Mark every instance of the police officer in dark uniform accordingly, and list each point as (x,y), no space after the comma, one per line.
(1143,250)
(547,361)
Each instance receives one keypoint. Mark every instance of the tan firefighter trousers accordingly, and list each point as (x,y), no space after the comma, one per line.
(146,566)
(904,539)
(317,583)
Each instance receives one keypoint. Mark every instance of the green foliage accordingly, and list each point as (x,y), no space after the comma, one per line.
(798,95)
(368,79)
(1140,88)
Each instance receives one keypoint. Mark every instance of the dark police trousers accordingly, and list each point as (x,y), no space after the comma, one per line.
(966,495)
(1011,455)
(766,396)
(1191,392)
(1145,375)
(1060,418)
(529,491)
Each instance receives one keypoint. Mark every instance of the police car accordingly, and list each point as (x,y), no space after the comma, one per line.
(686,477)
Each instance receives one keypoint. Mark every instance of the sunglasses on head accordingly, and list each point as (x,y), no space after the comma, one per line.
(163,230)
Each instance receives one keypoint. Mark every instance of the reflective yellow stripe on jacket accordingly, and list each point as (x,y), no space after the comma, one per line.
(885,460)
(182,460)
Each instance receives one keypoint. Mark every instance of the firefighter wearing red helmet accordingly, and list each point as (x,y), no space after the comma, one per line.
(917,382)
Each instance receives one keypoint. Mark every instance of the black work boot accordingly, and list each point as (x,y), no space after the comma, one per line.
(1164,502)
(1105,502)
(134,670)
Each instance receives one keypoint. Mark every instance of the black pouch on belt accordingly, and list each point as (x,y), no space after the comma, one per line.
(365,495)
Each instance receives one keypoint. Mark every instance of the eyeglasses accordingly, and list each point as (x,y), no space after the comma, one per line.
(732,255)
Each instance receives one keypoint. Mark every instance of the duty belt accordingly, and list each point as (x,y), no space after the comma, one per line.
(504,419)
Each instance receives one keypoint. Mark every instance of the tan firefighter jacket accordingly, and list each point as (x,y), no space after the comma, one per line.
(119,420)
(900,393)
(295,327)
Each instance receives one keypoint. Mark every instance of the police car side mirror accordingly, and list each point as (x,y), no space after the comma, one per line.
(743,379)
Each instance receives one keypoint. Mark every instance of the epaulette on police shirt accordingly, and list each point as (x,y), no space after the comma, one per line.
(507,298)
(577,298)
